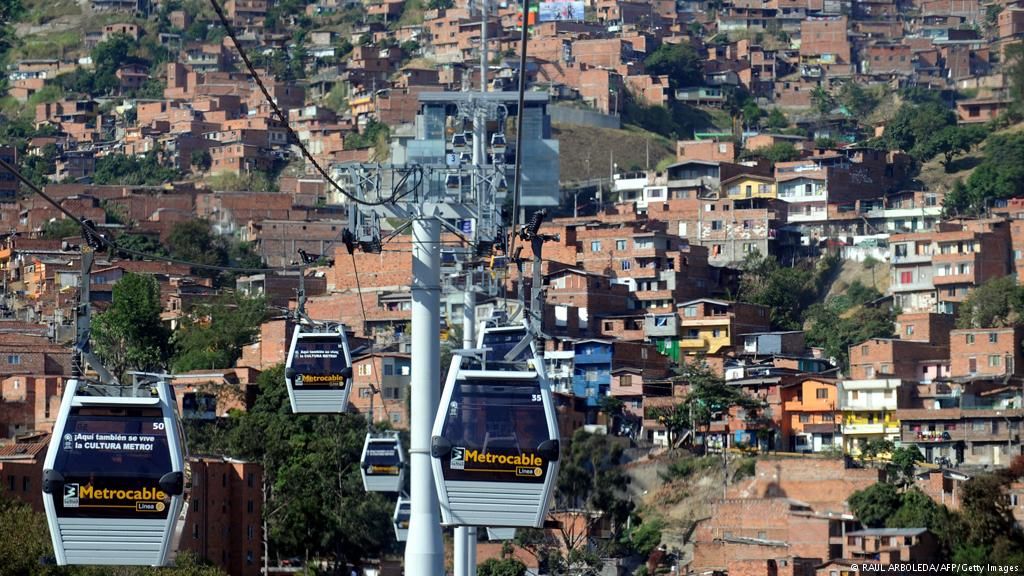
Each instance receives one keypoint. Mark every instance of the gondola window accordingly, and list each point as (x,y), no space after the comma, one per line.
(495,433)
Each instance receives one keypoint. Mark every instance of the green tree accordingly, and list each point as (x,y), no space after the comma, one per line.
(24,538)
(130,335)
(194,241)
(212,335)
(326,513)
(680,62)
(903,465)
(1013,68)
(876,448)
(822,101)
(10,10)
(856,99)
(107,57)
(133,170)
(1000,174)
(914,124)
(949,142)
(644,538)
(830,327)
(778,152)
(140,244)
(785,291)
(874,505)
(986,509)
(501,567)
(777,120)
(440,4)
(63,228)
(995,304)
(38,169)
(590,487)
(710,397)
(201,159)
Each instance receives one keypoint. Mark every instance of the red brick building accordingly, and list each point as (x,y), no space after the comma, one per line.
(224,520)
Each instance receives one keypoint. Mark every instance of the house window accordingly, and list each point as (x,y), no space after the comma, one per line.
(993,337)
(396,418)
(969,338)
(195,531)
(595,246)
(716,224)
(863,350)
(805,418)
(621,245)
(364,392)
(995,361)
(828,417)
(906,277)
(821,393)
(626,381)
(591,375)
(910,330)
(389,369)
(690,311)
(365,369)
(13,359)
(249,507)
(626,264)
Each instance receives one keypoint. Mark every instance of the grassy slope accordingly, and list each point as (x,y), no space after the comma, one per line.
(586,151)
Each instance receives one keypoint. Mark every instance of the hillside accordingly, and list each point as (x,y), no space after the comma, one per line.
(586,152)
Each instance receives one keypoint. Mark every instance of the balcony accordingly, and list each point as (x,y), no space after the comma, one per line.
(933,436)
(967,278)
(911,259)
(870,429)
(592,357)
(868,404)
(693,343)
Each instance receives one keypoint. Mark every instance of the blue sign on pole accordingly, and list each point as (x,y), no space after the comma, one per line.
(466,226)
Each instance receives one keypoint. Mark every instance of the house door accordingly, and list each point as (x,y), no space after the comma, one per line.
(973,365)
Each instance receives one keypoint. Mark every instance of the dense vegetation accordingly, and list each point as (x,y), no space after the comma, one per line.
(982,531)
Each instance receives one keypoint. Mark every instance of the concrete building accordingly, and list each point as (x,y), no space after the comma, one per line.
(810,414)
(868,412)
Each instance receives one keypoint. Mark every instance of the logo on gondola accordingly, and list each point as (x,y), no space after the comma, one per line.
(298,380)
(71,495)
(458,458)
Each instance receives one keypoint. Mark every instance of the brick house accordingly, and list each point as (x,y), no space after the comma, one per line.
(986,352)
(389,375)
(224,522)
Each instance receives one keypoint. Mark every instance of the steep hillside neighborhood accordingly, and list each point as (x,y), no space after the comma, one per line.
(783,324)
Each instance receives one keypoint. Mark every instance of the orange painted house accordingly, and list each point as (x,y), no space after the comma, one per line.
(810,414)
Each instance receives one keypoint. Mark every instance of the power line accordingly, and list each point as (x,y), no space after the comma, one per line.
(113,245)
(284,119)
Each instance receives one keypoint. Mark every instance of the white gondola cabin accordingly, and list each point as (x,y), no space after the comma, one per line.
(383,462)
(114,478)
(495,446)
(403,510)
(498,143)
(318,370)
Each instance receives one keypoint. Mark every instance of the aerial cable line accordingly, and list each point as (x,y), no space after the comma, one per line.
(146,255)
(284,119)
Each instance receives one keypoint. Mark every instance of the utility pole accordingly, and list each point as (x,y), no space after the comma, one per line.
(424,550)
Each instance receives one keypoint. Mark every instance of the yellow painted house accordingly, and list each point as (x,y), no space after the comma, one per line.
(706,326)
(746,186)
(869,412)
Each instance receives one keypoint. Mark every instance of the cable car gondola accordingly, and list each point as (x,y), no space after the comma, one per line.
(403,510)
(495,446)
(453,182)
(383,462)
(318,370)
(459,143)
(113,479)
